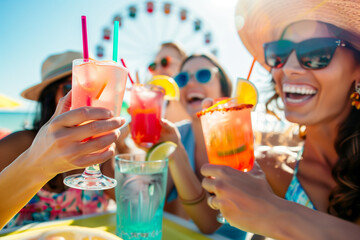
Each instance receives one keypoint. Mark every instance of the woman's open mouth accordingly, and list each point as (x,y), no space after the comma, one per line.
(296,93)
(195,98)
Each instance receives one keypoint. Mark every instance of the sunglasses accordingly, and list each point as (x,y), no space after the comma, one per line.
(66,88)
(202,76)
(315,53)
(164,62)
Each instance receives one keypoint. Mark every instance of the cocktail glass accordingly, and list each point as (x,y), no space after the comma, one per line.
(146,103)
(140,196)
(228,136)
(97,84)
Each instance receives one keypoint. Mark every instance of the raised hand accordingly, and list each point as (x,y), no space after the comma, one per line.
(245,199)
(59,145)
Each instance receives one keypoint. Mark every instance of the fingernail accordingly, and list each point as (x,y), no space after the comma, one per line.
(120,119)
(118,132)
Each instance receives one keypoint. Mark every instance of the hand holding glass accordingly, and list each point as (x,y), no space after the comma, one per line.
(98,84)
(228,136)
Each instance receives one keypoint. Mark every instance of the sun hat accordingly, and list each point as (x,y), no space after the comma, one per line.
(261,21)
(55,67)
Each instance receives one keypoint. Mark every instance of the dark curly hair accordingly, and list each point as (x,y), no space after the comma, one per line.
(344,199)
(46,104)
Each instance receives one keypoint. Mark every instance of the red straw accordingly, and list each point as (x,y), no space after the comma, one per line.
(251,68)
(84,35)
(123,63)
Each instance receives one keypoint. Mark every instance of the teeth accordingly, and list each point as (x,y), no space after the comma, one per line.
(195,95)
(294,100)
(299,89)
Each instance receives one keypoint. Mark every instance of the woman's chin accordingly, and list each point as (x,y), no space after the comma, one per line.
(193,108)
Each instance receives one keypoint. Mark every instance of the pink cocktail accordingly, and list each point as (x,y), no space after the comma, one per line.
(145,109)
(96,84)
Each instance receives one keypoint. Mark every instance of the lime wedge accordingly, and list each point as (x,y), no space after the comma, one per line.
(232,151)
(160,151)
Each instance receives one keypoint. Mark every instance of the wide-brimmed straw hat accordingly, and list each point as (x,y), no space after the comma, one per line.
(261,21)
(54,68)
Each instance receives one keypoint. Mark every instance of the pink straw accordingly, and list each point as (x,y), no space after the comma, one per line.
(123,63)
(84,35)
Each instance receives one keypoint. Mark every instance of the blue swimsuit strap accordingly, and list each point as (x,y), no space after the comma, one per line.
(298,158)
(295,185)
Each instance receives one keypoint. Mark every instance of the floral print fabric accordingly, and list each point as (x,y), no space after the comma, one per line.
(45,206)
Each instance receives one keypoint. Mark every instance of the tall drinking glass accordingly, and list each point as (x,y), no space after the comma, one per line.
(228,136)
(97,84)
(146,102)
(140,196)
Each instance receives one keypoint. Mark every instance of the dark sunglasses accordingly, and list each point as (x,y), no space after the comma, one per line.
(164,62)
(66,88)
(201,75)
(315,53)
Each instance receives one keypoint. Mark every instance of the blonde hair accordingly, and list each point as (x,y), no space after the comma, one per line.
(175,46)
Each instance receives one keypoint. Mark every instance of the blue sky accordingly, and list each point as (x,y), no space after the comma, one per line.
(31,30)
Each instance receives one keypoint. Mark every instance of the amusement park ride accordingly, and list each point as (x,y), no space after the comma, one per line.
(145,25)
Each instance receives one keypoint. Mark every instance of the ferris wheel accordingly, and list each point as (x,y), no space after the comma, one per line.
(145,25)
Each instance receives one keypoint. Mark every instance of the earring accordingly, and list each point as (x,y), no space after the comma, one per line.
(355,101)
(302,132)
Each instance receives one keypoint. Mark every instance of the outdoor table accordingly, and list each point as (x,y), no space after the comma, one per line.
(174,228)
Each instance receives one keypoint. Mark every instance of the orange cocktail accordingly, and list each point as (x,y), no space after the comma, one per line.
(228,135)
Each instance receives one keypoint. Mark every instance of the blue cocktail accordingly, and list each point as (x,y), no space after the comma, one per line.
(140,196)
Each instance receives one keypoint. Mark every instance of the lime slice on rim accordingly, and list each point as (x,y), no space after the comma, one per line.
(160,151)
(172,91)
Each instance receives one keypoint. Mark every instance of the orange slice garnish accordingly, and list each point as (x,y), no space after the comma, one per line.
(101,90)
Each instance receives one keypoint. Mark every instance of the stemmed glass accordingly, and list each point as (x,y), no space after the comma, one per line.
(98,84)
(228,135)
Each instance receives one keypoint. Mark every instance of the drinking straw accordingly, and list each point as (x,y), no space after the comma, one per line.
(137,77)
(123,63)
(84,36)
(219,103)
(251,68)
(115,43)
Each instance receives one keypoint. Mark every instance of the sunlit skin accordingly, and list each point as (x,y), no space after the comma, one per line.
(246,201)
(201,214)
(174,111)
(175,61)
(59,94)
(106,167)
(322,112)
(193,88)
(330,103)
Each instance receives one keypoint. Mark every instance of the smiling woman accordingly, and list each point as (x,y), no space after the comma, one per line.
(313,50)
(200,77)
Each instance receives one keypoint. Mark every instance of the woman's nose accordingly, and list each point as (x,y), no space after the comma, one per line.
(292,66)
(192,80)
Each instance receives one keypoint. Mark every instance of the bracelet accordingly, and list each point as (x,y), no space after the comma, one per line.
(195,201)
